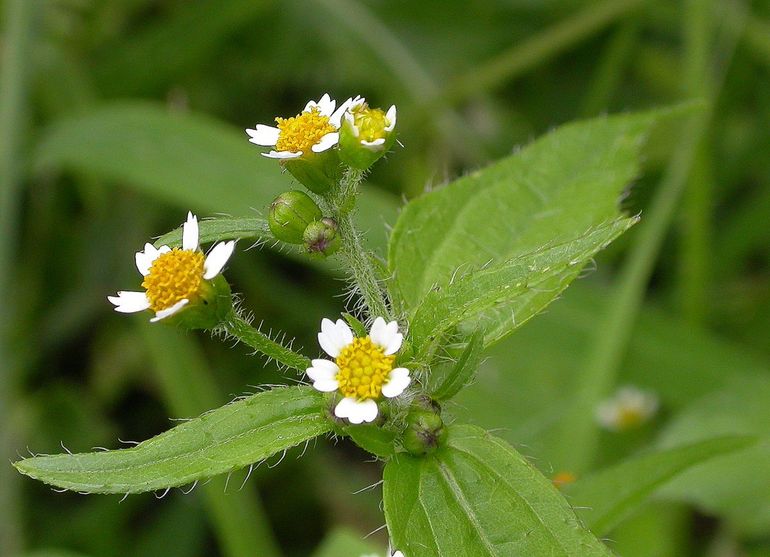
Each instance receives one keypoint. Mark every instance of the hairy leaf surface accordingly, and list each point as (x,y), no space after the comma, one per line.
(478,497)
(219,441)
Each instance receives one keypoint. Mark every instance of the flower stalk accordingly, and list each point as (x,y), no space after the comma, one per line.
(240,329)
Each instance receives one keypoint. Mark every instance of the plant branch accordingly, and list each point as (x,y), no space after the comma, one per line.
(240,329)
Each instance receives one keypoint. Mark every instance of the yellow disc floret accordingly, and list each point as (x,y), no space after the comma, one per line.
(630,417)
(301,132)
(174,276)
(363,369)
(371,122)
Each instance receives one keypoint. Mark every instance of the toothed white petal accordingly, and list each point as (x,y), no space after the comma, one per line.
(144,259)
(217,258)
(334,336)
(130,302)
(168,312)
(267,136)
(326,142)
(282,155)
(190,233)
(398,381)
(391,117)
(373,144)
(322,369)
(356,411)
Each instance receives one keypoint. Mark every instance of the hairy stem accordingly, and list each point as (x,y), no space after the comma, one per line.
(240,329)
(357,260)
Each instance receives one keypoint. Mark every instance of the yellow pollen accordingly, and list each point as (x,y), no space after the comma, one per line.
(363,369)
(302,131)
(630,417)
(174,276)
(371,122)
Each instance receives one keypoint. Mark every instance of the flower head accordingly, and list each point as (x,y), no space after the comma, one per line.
(363,368)
(627,409)
(366,134)
(314,130)
(174,277)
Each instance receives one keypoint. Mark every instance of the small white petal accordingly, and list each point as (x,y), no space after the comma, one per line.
(190,233)
(326,142)
(334,336)
(397,554)
(267,136)
(391,116)
(322,369)
(168,312)
(398,381)
(144,259)
(217,258)
(326,385)
(130,302)
(377,332)
(282,155)
(325,105)
(336,118)
(386,336)
(372,144)
(356,411)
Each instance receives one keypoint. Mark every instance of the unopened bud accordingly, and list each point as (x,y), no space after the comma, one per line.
(318,172)
(425,429)
(290,214)
(321,237)
(366,134)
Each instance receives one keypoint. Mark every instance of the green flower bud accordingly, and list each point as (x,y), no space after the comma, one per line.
(425,429)
(366,134)
(212,306)
(318,172)
(321,237)
(290,214)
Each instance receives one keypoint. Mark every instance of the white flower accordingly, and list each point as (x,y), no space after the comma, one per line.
(315,130)
(628,408)
(173,277)
(362,370)
(371,126)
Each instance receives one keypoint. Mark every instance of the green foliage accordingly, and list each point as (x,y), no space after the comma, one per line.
(221,229)
(477,496)
(606,497)
(226,439)
(345,543)
(461,372)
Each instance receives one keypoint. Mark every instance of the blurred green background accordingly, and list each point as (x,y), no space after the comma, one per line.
(117,116)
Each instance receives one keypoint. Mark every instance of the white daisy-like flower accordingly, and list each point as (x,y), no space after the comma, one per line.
(371,126)
(362,370)
(315,130)
(628,408)
(174,277)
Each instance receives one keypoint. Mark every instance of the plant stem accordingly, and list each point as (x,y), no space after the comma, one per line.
(240,329)
(356,259)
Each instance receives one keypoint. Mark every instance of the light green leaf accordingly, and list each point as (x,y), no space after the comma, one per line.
(372,438)
(219,441)
(477,497)
(519,288)
(461,372)
(191,161)
(221,229)
(345,543)
(563,184)
(605,498)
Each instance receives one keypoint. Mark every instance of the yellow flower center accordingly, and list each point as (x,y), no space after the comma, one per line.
(630,417)
(174,276)
(363,369)
(301,132)
(371,122)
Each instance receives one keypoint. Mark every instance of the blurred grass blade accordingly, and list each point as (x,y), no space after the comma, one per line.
(606,497)
(477,497)
(222,440)
(220,229)
(345,543)
(529,54)
(189,389)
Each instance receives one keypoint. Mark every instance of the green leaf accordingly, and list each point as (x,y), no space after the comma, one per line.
(518,289)
(221,229)
(605,498)
(462,371)
(563,184)
(225,439)
(372,438)
(477,497)
(346,543)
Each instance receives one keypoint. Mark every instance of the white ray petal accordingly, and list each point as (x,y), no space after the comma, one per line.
(398,381)
(168,312)
(322,369)
(325,105)
(144,259)
(326,385)
(217,258)
(190,233)
(282,155)
(372,144)
(326,142)
(267,136)
(130,302)
(391,116)
(356,411)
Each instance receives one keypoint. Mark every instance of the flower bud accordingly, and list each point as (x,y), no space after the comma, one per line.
(212,306)
(318,172)
(366,134)
(425,429)
(290,214)
(321,237)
